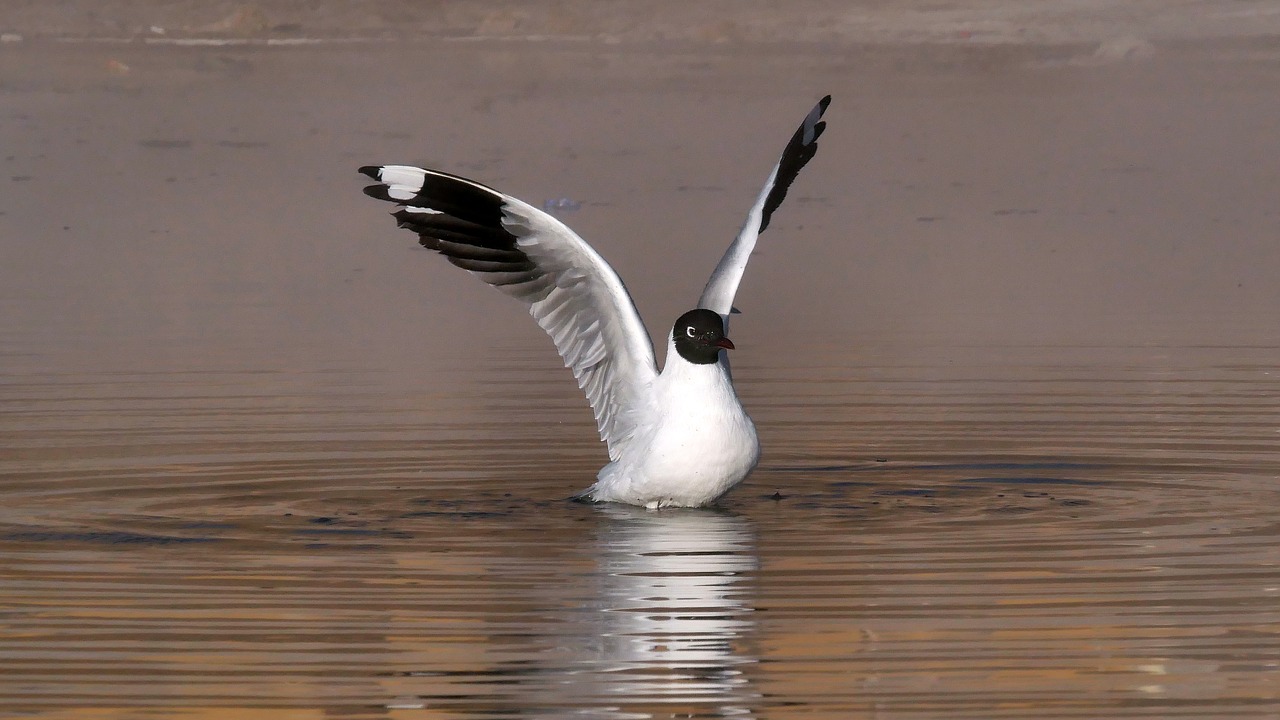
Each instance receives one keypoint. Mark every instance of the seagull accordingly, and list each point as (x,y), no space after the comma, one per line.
(677,437)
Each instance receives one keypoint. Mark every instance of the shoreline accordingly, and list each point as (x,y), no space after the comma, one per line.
(814,23)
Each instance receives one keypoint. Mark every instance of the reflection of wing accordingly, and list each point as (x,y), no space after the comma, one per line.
(675,604)
(723,285)
(573,294)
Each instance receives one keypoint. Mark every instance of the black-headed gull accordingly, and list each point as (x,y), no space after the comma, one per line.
(676,437)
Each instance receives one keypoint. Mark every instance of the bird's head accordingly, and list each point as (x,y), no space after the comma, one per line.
(699,336)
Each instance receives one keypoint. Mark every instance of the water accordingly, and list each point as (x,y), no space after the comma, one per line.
(261,457)
(561,205)
(962,540)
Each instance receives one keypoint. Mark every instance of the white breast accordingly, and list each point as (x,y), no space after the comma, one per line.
(701,444)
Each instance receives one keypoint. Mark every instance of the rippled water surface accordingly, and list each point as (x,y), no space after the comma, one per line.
(963,540)
(1010,345)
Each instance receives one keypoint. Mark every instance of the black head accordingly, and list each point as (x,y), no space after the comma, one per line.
(699,336)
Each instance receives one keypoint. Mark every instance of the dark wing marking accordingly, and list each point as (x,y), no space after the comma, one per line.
(798,153)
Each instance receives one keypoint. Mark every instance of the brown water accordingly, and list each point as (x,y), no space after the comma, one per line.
(1011,347)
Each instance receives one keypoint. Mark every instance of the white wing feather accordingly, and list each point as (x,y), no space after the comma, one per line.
(569,289)
(723,285)
(591,319)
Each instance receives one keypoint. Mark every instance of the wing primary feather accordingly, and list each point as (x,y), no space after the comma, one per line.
(472,252)
(797,154)
(490,237)
(491,266)
(570,290)
(723,284)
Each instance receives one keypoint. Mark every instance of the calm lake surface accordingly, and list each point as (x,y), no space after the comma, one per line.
(1014,361)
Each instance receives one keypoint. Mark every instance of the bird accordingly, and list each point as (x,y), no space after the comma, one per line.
(676,436)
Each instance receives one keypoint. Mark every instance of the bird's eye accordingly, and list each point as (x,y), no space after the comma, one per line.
(689,331)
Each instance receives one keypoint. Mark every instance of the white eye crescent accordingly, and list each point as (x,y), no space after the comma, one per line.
(689,331)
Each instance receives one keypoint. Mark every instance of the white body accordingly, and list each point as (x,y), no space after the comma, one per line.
(675,438)
(700,445)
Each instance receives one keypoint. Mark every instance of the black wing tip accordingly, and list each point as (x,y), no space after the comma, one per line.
(813,125)
(801,149)
(469,218)
(818,127)
(378,192)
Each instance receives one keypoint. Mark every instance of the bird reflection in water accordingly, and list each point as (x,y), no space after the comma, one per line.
(674,611)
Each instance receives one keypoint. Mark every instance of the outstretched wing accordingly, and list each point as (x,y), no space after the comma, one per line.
(723,285)
(569,289)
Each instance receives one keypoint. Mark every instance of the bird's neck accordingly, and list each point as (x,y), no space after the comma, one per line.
(695,373)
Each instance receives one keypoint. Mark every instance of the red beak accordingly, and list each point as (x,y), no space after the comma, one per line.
(724,344)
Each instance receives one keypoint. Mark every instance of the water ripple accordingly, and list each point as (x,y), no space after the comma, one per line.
(946,539)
